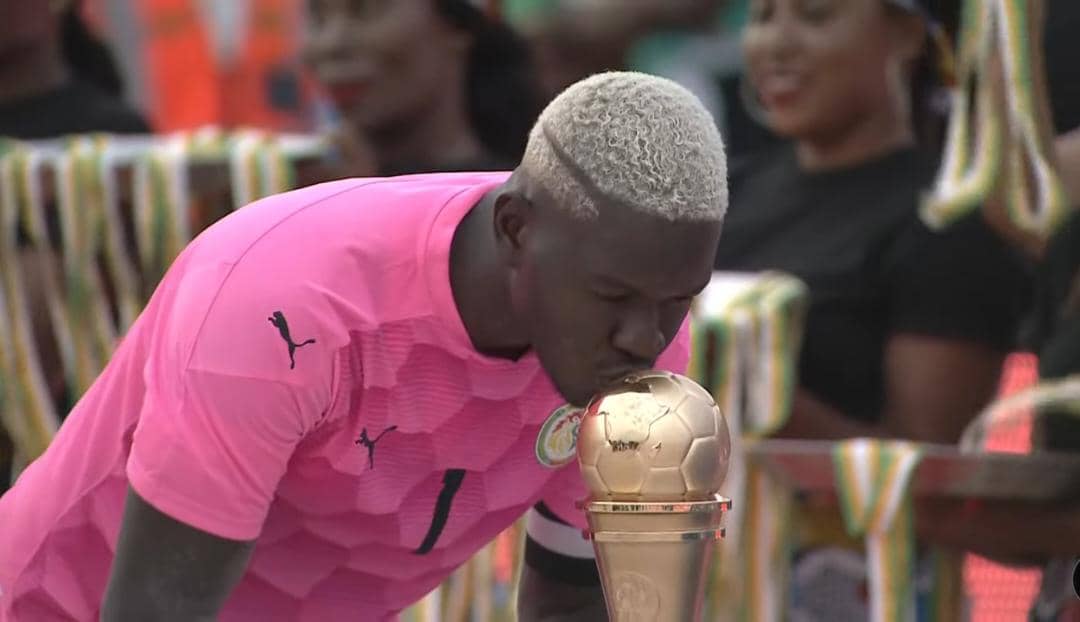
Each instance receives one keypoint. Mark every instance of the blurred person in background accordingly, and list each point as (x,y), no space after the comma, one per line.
(576,39)
(907,329)
(56,76)
(693,42)
(423,85)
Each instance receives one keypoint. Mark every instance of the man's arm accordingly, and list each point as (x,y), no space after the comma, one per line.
(165,570)
(559,580)
(541,599)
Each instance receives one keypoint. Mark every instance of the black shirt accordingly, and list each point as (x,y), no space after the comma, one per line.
(872,268)
(1056,335)
(73,108)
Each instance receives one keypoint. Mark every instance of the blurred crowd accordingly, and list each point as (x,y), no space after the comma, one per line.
(833,114)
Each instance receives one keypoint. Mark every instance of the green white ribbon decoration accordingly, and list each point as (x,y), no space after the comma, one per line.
(26,407)
(80,217)
(259,165)
(33,205)
(968,169)
(1063,392)
(162,204)
(1028,145)
(872,477)
(118,260)
(749,327)
(974,154)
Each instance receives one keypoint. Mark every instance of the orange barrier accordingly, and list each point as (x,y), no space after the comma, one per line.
(189,87)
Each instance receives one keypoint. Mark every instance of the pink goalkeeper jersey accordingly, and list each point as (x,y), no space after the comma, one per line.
(301,377)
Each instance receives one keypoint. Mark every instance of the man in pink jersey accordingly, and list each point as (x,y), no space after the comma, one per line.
(333,398)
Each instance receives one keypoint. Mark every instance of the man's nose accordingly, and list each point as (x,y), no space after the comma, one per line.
(639,336)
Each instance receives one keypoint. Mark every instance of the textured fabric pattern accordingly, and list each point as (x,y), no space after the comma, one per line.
(301,377)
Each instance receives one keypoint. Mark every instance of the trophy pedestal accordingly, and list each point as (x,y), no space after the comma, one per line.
(654,556)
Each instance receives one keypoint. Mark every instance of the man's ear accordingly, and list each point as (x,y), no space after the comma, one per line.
(513,220)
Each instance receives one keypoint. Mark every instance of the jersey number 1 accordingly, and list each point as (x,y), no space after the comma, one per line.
(451,483)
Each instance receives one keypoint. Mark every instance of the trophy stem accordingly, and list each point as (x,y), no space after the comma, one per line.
(654,557)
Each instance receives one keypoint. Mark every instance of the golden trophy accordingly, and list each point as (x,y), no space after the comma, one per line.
(653,451)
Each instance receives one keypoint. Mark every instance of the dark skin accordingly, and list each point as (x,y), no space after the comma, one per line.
(595,298)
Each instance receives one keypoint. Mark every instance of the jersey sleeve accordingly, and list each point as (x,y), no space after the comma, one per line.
(963,283)
(229,395)
(554,544)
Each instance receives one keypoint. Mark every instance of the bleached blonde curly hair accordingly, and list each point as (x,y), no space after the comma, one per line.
(632,138)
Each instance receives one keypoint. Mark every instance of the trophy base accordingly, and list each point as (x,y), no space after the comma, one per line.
(654,557)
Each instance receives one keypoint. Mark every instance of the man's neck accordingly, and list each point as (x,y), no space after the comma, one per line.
(873,137)
(480,288)
(30,71)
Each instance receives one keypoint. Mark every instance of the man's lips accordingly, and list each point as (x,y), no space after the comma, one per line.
(609,377)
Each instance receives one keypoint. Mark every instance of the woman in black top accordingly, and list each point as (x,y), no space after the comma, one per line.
(907,329)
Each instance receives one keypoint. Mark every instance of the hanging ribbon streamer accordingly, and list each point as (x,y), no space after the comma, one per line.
(872,478)
(118,261)
(1063,393)
(26,407)
(260,167)
(162,205)
(32,199)
(766,549)
(80,212)
(243,166)
(993,30)
(1029,147)
(965,180)
(747,334)
(173,155)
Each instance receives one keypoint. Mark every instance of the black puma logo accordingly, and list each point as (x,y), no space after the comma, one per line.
(365,441)
(278,319)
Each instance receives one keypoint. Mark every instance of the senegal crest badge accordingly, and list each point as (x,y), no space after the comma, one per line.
(556,444)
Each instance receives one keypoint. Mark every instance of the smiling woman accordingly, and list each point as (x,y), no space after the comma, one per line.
(424,84)
(907,328)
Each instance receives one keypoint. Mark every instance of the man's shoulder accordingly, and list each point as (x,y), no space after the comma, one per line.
(320,263)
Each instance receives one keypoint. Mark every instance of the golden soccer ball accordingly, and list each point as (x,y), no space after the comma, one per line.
(655,436)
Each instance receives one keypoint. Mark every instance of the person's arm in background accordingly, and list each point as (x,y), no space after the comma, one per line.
(166,570)
(918,405)
(1009,532)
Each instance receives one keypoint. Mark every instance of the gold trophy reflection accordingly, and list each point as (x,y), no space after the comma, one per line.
(653,451)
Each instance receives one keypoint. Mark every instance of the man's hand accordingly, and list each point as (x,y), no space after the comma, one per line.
(543,600)
(166,570)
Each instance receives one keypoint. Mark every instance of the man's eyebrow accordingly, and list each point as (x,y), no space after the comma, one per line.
(611,280)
